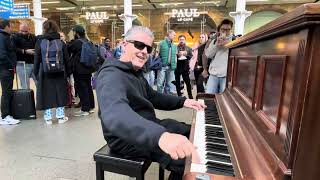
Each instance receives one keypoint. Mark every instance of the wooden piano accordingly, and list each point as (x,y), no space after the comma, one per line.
(269,115)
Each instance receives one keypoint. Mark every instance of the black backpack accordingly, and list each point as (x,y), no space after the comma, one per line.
(52,56)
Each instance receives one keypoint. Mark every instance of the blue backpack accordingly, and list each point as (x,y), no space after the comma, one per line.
(52,56)
(155,63)
(89,53)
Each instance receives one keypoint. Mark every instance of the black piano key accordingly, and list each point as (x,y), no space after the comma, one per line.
(219,172)
(217,149)
(215,140)
(211,128)
(214,134)
(217,157)
(220,167)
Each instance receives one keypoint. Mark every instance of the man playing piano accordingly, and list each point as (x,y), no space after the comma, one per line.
(127,104)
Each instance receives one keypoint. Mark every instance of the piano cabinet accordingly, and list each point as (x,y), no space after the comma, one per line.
(270,108)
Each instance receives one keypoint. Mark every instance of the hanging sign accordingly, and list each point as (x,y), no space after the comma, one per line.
(6,7)
(185,14)
(20,11)
(96,17)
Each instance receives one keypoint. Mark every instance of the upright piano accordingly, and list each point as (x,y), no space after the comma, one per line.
(266,124)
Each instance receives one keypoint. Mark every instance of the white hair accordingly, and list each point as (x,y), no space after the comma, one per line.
(136,29)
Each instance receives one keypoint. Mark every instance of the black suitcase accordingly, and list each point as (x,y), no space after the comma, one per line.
(22,103)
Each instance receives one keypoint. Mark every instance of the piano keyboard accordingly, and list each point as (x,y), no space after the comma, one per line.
(211,143)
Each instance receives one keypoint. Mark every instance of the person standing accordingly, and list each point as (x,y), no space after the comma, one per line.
(25,43)
(52,85)
(218,66)
(82,73)
(107,45)
(197,64)
(7,64)
(168,54)
(184,56)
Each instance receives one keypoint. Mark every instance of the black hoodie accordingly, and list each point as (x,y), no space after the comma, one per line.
(126,107)
(8,56)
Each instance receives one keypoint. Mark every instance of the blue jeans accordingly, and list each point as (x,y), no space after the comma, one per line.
(25,75)
(149,76)
(59,113)
(216,84)
(164,80)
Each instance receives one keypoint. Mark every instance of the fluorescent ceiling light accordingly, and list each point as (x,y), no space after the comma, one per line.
(135,5)
(257,0)
(50,2)
(99,7)
(65,8)
(207,2)
(167,4)
(84,0)
(44,9)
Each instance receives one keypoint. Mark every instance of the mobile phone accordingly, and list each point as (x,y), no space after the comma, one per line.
(202,177)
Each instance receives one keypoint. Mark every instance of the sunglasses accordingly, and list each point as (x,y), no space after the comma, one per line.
(140,45)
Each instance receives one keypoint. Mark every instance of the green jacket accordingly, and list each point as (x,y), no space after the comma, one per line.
(164,53)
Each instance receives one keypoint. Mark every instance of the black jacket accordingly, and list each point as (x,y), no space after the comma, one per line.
(51,88)
(126,107)
(22,43)
(8,56)
(74,65)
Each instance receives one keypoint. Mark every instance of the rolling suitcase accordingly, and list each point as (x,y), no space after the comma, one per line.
(23,104)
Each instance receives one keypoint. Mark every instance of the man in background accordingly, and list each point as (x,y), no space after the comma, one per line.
(25,43)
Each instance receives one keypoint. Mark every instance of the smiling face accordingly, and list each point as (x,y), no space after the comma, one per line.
(136,56)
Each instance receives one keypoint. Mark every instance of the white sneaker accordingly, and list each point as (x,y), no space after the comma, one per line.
(63,120)
(91,111)
(48,121)
(81,113)
(9,120)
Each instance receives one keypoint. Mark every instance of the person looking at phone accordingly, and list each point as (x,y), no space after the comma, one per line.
(219,53)
(25,43)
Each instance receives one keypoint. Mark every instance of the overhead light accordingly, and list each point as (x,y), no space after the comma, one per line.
(135,5)
(44,9)
(50,2)
(168,4)
(207,2)
(115,7)
(256,0)
(65,8)
(83,8)
(83,0)
(99,7)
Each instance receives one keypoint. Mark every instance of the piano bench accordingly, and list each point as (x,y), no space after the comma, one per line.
(111,162)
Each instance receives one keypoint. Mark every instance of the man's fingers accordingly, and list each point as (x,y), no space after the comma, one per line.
(181,153)
(174,155)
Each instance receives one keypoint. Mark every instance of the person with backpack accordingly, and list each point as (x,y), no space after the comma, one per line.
(50,71)
(84,60)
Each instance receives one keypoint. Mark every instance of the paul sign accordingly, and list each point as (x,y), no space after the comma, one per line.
(185,14)
(96,17)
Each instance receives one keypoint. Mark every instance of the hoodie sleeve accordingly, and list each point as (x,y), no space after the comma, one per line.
(163,101)
(118,117)
(211,51)
(4,58)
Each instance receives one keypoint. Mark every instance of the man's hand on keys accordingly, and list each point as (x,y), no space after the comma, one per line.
(177,146)
(193,104)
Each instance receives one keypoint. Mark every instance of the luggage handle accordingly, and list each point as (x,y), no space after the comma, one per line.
(25,74)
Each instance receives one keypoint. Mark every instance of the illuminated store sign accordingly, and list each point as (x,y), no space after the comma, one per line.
(96,17)
(185,14)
